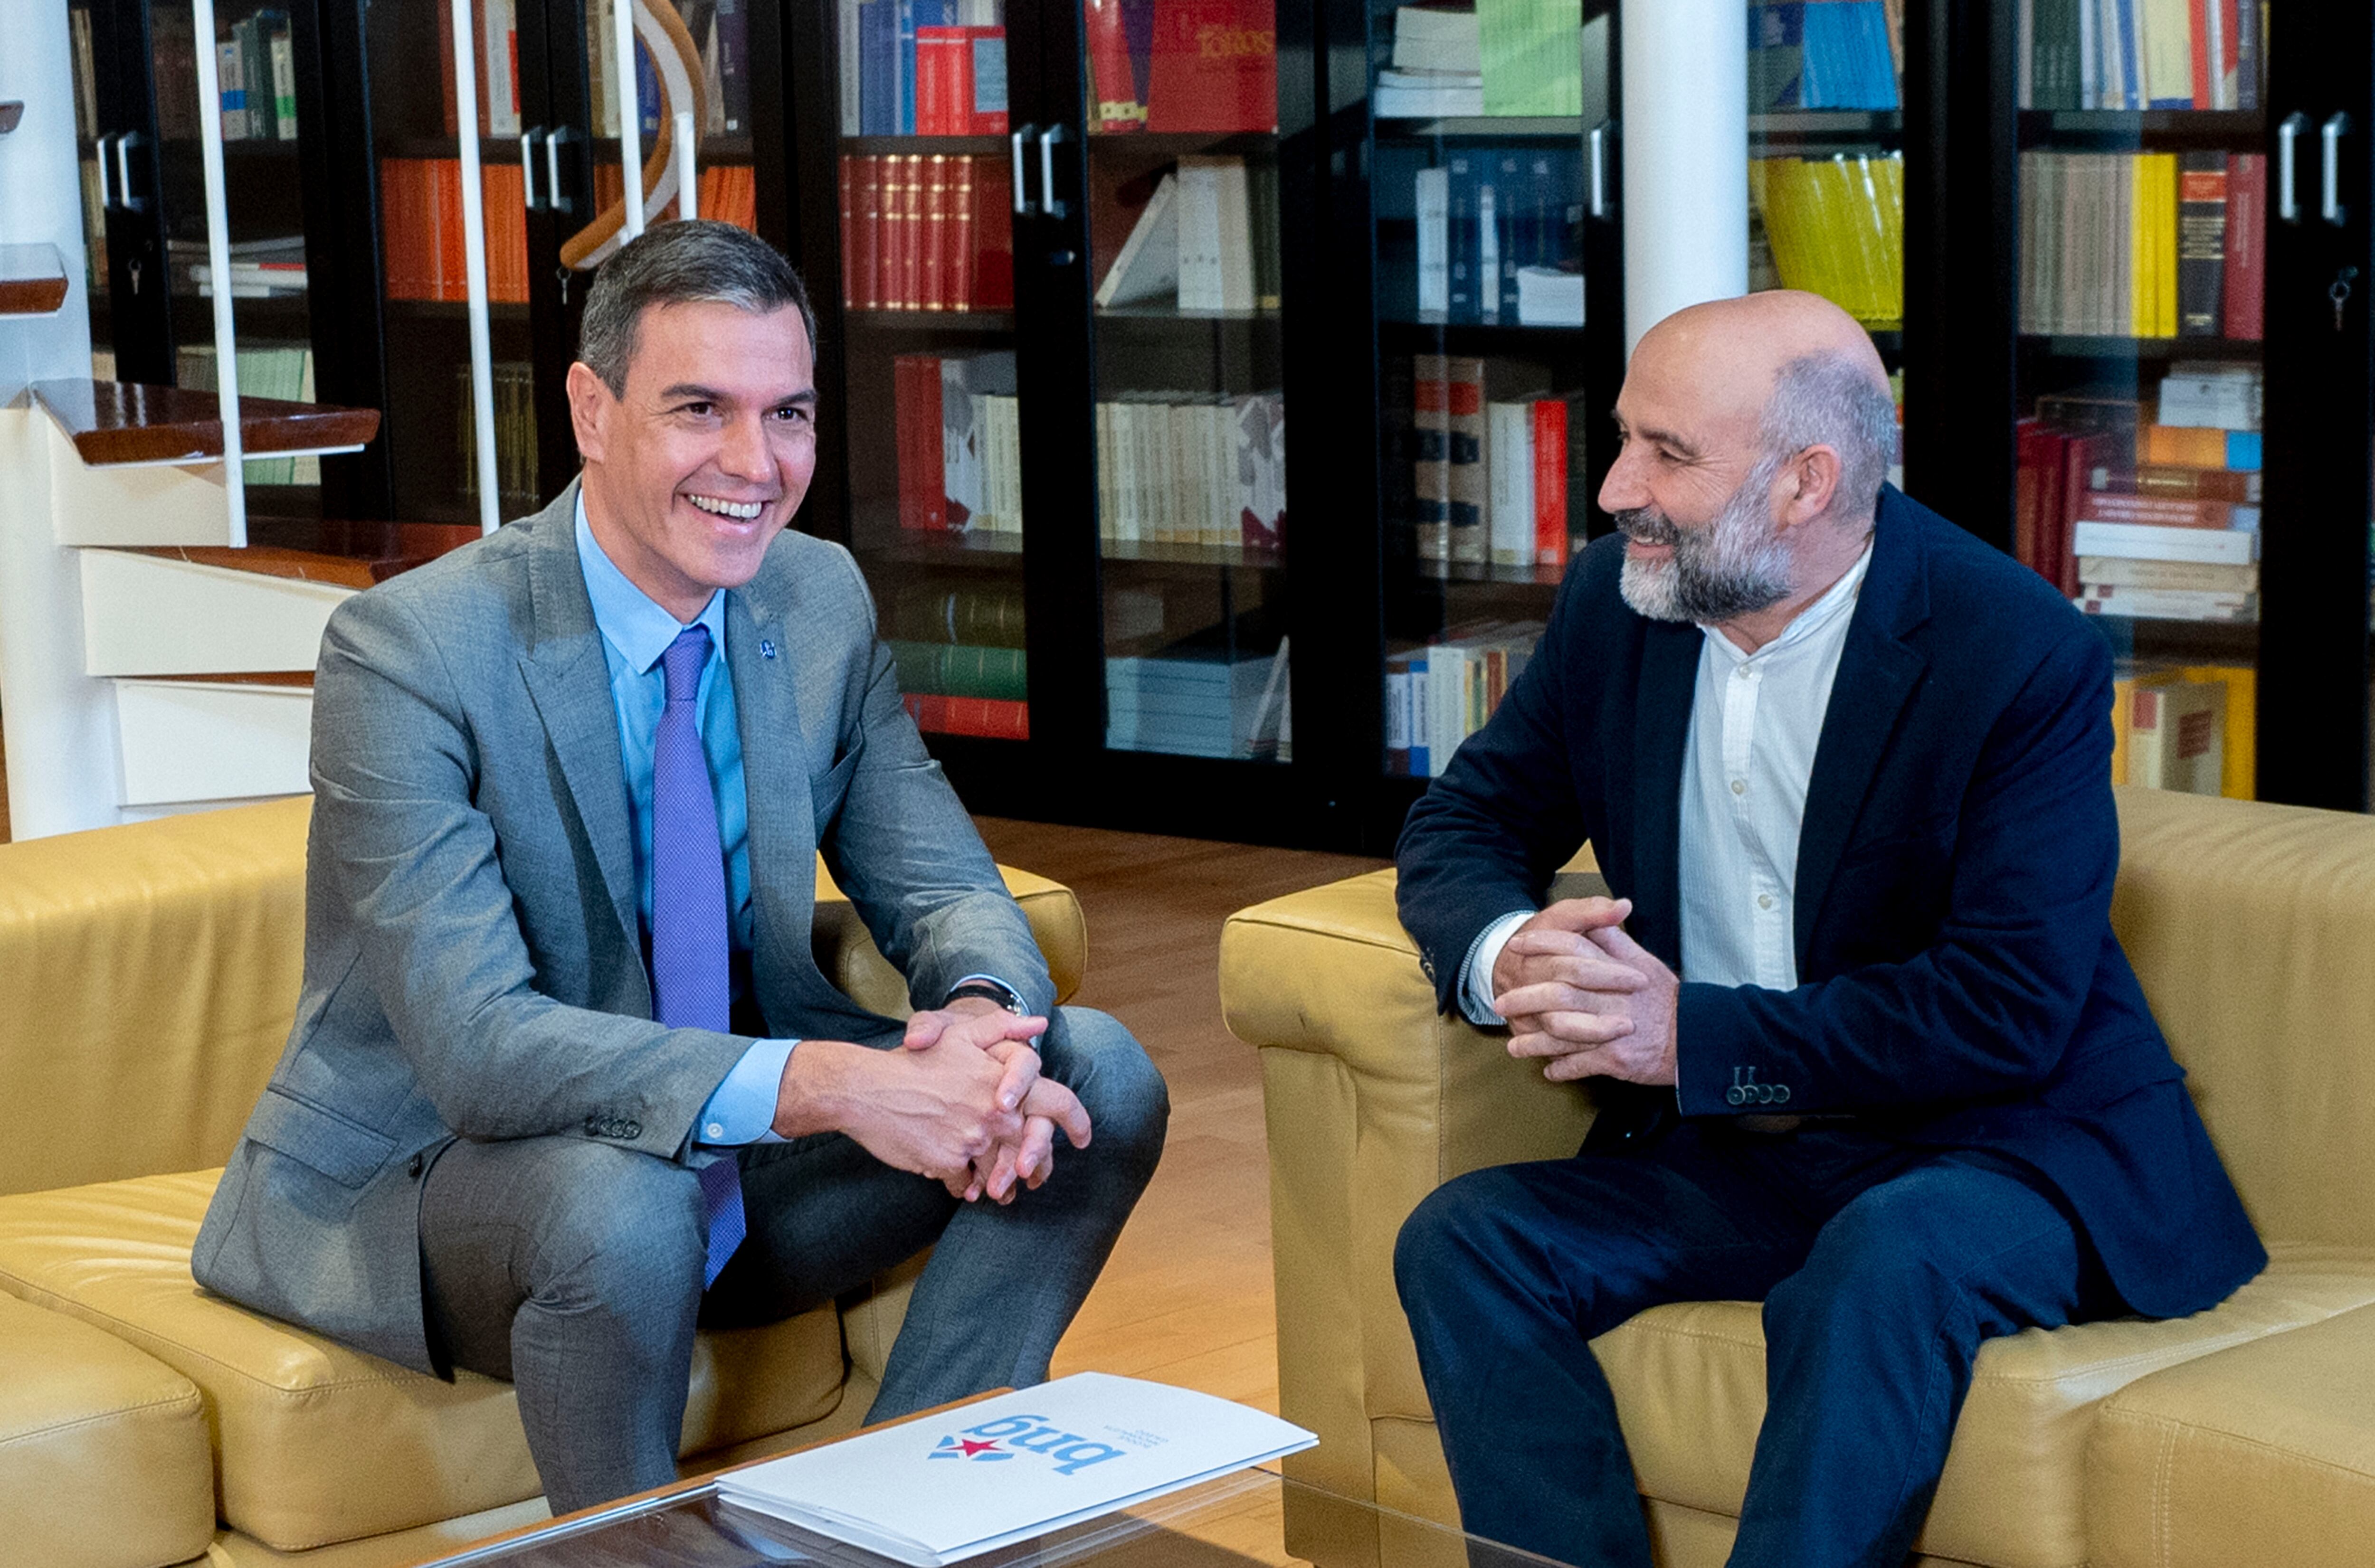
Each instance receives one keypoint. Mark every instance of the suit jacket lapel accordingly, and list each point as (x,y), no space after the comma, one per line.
(1878,670)
(568,679)
(1670,664)
(775,779)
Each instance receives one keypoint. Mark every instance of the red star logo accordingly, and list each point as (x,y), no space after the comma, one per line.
(970,1448)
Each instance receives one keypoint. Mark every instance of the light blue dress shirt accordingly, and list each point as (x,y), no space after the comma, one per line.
(635,632)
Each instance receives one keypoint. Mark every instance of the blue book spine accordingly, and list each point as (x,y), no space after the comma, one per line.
(1818,83)
(1557,206)
(1421,764)
(2130,68)
(878,54)
(647,97)
(1466,252)
(905,41)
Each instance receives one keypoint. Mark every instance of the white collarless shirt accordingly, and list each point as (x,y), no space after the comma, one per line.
(1756,721)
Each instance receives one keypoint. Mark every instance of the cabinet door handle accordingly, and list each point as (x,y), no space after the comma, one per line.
(1021,192)
(2287,138)
(2329,137)
(1049,203)
(554,200)
(124,171)
(1598,145)
(528,168)
(106,198)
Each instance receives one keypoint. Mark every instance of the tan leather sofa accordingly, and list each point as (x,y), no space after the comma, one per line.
(148,979)
(2242,1435)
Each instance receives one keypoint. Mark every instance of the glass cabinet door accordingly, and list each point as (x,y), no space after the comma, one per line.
(1190,410)
(2143,195)
(1489,139)
(933,458)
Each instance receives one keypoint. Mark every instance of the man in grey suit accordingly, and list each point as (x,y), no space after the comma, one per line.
(566,1080)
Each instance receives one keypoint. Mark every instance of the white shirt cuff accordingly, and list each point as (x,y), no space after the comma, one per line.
(1476,981)
(742,1109)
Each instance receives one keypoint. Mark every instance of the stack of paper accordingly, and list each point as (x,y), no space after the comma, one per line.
(935,1492)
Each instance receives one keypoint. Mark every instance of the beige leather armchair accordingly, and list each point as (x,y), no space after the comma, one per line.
(148,975)
(2245,1434)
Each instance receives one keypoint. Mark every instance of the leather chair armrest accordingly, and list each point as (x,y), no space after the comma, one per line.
(846,953)
(1372,1100)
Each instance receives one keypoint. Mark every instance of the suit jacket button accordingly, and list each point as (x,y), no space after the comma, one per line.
(412,1167)
(631,1129)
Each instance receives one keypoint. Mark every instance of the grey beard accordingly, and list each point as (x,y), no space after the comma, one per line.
(1736,565)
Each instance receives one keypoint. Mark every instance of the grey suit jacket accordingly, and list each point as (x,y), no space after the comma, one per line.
(473,957)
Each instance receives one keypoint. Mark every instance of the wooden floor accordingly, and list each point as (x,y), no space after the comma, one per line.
(1186,1298)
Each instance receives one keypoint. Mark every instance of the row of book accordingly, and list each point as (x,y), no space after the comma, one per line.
(961,670)
(260,269)
(2151,244)
(1438,695)
(922,68)
(989,718)
(1170,65)
(515,450)
(967,615)
(2134,517)
(926,232)
(420,223)
(284,370)
(958,440)
(1205,242)
(1824,54)
(1834,227)
(959,651)
(2083,54)
(1491,463)
(1500,236)
(720,30)
(255,70)
(2190,727)
(1499,57)
(1198,701)
(1193,471)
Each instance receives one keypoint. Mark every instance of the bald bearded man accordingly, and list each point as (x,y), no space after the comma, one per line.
(1863,1045)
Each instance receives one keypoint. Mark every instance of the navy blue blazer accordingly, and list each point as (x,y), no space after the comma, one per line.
(1959,982)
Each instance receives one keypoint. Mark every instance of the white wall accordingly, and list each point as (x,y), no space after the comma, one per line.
(63,772)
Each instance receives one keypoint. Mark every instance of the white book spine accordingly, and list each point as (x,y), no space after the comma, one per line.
(2144,541)
(1509,427)
(1434,204)
(1488,259)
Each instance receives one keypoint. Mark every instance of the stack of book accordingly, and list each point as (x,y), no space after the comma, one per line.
(958,438)
(1207,65)
(260,269)
(516,452)
(1492,462)
(1828,55)
(2143,244)
(1195,701)
(922,68)
(2138,54)
(1500,236)
(1195,471)
(925,231)
(960,658)
(1439,695)
(257,74)
(1439,66)
(284,370)
(1836,227)
(1205,242)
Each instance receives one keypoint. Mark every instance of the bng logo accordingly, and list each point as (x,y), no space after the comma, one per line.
(1069,1451)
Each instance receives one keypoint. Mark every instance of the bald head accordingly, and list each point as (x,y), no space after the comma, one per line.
(1735,350)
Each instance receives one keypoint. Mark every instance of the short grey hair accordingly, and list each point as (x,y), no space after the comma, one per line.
(1828,399)
(681,263)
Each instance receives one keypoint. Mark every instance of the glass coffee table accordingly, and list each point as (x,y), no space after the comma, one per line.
(1251,1520)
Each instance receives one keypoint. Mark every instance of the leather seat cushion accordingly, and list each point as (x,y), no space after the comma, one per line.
(2260,1453)
(1689,1381)
(90,1430)
(319,1443)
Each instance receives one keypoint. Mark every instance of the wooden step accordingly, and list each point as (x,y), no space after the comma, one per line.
(184,741)
(385,548)
(32,279)
(190,610)
(113,423)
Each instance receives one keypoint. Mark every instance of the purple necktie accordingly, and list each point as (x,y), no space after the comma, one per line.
(690,937)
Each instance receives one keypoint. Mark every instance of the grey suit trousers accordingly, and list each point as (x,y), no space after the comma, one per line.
(572,1267)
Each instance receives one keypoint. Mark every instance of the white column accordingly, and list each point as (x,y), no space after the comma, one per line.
(210,160)
(474,268)
(631,117)
(60,723)
(1684,98)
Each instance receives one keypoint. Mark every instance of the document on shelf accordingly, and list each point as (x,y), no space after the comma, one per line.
(938,1491)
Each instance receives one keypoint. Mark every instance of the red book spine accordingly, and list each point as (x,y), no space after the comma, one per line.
(992,718)
(915,418)
(961,233)
(1113,81)
(2247,245)
(932,291)
(2079,459)
(993,236)
(1550,482)
(848,231)
(931,82)
(909,291)
(866,267)
(2198,25)
(1215,67)
(452,283)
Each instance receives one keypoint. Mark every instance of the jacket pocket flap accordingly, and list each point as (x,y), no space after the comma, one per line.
(347,1152)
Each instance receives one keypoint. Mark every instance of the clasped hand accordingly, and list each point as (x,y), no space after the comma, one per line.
(1013,1144)
(1576,990)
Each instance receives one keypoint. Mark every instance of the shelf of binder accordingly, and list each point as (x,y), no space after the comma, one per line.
(1206,242)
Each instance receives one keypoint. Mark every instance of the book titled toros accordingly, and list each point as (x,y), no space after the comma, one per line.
(945,1488)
